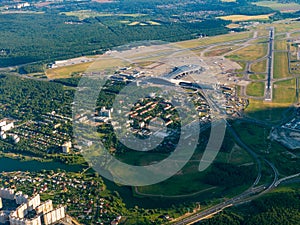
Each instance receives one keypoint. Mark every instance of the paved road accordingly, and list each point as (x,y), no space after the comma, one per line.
(268,90)
(249,150)
(233,201)
(218,208)
(246,196)
(286,178)
(297,89)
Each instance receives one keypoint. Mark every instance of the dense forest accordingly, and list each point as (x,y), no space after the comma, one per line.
(229,175)
(169,7)
(29,38)
(27,99)
(45,34)
(272,209)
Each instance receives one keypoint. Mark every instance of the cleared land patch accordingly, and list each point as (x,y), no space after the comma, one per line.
(233,26)
(67,71)
(237,18)
(151,23)
(228,0)
(84,14)
(73,70)
(20,12)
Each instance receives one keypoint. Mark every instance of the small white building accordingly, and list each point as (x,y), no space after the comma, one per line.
(103,112)
(8,126)
(3,135)
(23,5)
(16,138)
(66,147)
(2,122)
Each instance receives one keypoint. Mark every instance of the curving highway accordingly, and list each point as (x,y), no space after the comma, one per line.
(248,195)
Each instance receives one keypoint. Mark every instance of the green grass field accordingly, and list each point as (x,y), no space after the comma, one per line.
(259,67)
(280,45)
(67,71)
(262,31)
(191,182)
(282,7)
(279,37)
(253,135)
(250,53)
(285,91)
(243,66)
(177,185)
(218,52)
(286,27)
(295,35)
(257,76)
(256,89)
(280,65)
(215,39)
(266,111)
(262,40)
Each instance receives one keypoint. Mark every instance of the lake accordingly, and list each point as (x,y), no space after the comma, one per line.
(9,165)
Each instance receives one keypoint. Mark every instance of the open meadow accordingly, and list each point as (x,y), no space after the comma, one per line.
(239,18)
(259,67)
(285,91)
(255,89)
(215,40)
(190,182)
(282,7)
(257,76)
(67,71)
(249,53)
(281,65)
